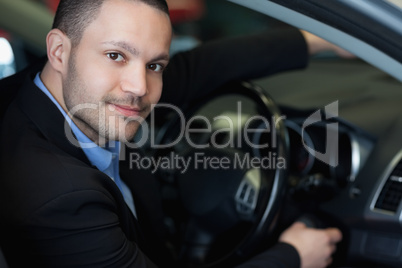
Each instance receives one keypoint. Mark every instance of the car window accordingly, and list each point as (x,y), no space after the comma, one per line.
(7,61)
(396,2)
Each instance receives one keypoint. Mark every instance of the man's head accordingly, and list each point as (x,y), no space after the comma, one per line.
(73,16)
(106,62)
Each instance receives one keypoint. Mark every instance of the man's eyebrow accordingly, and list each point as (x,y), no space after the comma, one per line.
(161,57)
(135,52)
(123,45)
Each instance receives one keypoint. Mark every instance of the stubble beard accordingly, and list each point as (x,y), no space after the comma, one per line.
(87,113)
(94,122)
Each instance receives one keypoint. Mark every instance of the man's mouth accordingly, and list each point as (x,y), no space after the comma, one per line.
(127,111)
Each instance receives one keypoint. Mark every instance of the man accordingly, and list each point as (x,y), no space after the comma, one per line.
(70,204)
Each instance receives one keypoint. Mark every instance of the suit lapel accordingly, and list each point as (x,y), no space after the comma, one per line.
(47,117)
(148,204)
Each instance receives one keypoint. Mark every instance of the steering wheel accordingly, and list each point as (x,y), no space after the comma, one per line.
(225,203)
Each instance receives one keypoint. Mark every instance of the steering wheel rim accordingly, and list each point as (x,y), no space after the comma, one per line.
(264,225)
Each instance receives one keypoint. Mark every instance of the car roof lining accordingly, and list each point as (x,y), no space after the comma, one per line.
(368,21)
(378,53)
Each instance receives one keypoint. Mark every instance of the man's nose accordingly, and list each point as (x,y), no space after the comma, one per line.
(135,81)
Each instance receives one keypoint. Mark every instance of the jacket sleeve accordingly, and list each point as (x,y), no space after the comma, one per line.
(193,74)
(281,255)
(77,229)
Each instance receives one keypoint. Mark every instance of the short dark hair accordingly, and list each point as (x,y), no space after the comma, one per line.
(73,16)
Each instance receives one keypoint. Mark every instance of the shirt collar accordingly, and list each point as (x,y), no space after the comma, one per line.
(98,156)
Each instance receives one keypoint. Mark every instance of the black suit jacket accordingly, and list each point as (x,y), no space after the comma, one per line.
(58,210)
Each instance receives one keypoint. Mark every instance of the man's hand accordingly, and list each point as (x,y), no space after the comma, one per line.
(315,246)
(316,44)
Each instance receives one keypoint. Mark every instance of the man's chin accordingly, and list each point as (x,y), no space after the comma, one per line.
(123,132)
(126,135)
(124,138)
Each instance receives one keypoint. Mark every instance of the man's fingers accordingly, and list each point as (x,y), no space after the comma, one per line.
(332,248)
(299,225)
(335,235)
(328,262)
(315,246)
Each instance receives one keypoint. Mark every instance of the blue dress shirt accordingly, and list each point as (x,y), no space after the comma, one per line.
(106,158)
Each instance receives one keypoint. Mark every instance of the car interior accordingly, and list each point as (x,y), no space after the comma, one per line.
(320,145)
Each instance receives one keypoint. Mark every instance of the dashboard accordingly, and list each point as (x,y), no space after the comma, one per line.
(367,203)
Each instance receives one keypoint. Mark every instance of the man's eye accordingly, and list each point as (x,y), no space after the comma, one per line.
(155,67)
(115,56)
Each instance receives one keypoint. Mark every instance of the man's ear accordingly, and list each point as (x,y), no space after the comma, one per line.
(58,49)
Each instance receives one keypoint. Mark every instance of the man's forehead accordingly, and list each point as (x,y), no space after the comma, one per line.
(128,23)
(115,13)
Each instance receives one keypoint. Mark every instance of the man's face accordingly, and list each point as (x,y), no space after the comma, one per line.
(115,73)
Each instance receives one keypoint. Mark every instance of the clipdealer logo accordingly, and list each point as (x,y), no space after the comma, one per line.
(237,127)
(331,154)
(199,160)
